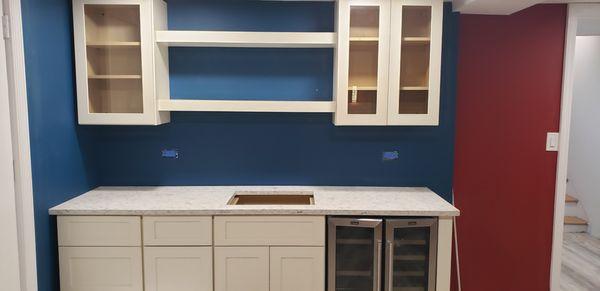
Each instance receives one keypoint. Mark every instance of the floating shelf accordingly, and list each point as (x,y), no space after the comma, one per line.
(246,106)
(101,44)
(116,77)
(246,39)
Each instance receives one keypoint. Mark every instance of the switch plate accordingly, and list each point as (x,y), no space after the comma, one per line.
(552,142)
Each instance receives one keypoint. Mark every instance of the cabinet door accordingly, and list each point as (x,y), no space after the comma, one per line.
(114,61)
(415,62)
(362,62)
(100,268)
(297,268)
(241,268)
(178,268)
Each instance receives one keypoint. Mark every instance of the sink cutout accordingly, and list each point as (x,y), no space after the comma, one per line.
(272,198)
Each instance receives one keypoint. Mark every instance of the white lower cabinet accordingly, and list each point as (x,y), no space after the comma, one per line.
(178,268)
(241,268)
(100,268)
(297,268)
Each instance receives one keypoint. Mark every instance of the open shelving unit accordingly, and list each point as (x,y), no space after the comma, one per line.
(245,39)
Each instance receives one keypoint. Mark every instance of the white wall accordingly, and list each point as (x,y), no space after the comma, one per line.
(584,151)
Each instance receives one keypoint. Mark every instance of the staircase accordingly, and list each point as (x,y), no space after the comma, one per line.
(573,214)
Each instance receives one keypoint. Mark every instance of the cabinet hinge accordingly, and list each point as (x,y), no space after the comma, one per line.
(6,26)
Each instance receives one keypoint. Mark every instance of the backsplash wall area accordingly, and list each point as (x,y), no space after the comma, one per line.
(274,148)
(220,148)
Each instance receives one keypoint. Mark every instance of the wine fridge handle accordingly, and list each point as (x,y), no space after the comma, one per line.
(379,255)
(390,264)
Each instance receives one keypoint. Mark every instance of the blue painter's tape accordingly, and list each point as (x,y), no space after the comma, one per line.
(170,154)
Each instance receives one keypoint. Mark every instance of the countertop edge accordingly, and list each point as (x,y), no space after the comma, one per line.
(265,212)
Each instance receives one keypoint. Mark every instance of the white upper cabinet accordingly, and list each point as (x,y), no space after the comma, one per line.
(115,56)
(388,62)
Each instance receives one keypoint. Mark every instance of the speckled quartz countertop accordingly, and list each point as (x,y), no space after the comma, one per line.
(212,200)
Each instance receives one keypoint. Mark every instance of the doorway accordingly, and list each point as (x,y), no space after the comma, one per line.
(576,242)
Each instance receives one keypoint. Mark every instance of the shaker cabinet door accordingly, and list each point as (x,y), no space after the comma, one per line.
(100,268)
(178,268)
(297,268)
(415,62)
(241,268)
(362,62)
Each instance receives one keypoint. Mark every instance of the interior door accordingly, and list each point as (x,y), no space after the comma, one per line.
(9,247)
(355,250)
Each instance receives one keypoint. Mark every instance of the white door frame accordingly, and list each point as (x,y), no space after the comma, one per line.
(15,63)
(575,13)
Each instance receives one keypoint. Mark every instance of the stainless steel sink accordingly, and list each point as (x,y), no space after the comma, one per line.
(272,198)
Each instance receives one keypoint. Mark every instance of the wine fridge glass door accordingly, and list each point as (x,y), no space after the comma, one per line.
(355,252)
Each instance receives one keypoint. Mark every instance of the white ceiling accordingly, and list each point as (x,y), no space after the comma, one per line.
(502,7)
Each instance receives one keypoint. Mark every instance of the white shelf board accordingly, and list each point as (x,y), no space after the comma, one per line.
(101,44)
(414,88)
(246,39)
(246,106)
(364,38)
(115,77)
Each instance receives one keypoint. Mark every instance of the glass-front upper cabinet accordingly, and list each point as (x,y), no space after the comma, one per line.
(114,47)
(362,62)
(388,62)
(415,62)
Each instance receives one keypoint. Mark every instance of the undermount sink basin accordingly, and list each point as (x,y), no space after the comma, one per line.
(272,198)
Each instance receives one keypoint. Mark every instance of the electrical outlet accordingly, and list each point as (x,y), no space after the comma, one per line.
(390,156)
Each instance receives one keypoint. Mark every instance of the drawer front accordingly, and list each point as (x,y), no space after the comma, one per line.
(178,268)
(177,231)
(114,231)
(269,230)
(100,268)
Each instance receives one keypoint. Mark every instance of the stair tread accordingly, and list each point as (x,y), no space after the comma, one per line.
(571,199)
(574,220)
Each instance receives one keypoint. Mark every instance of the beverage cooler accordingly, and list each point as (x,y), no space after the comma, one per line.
(367,254)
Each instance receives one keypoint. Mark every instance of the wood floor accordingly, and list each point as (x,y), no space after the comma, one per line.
(580,263)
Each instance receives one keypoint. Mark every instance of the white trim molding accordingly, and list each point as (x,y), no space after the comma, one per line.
(576,12)
(21,151)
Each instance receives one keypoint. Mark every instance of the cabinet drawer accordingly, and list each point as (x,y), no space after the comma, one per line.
(177,231)
(269,230)
(84,231)
(178,268)
(100,268)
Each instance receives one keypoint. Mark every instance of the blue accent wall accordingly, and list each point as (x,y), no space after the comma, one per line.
(61,151)
(219,148)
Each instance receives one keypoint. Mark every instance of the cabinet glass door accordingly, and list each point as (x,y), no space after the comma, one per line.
(411,254)
(415,62)
(363,62)
(355,250)
(114,62)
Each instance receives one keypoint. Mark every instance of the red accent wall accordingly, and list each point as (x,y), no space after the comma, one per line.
(509,89)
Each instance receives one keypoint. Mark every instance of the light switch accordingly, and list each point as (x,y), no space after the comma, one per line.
(552,142)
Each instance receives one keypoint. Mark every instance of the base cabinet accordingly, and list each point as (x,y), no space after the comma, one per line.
(101,269)
(178,268)
(297,268)
(241,268)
